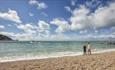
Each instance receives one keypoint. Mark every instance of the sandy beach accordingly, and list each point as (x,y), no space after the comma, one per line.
(100,61)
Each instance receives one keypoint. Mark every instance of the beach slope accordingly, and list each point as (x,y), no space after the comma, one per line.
(101,61)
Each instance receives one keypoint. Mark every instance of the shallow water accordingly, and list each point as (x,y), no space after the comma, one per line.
(10,50)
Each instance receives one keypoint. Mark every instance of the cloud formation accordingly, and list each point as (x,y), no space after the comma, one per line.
(31,14)
(31,32)
(28,28)
(73,2)
(80,19)
(2,27)
(18,36)
(43,26)
(68,9)
(40,5)
(102,17)
(63,25)
(83,23)
(11,15)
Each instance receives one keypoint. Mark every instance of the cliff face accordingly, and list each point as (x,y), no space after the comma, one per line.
(3,37)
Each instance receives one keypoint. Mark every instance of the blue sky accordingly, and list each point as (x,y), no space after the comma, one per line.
(58,19)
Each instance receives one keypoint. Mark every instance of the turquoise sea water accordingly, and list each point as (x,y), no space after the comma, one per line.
(45,48)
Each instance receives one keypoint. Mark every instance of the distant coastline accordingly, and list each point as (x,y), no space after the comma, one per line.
(5,38)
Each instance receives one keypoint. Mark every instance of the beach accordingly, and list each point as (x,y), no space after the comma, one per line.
(97,61)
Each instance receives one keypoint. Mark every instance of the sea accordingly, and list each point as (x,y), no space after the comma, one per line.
(26,50)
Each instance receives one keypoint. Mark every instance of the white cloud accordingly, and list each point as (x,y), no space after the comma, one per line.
(18,36)
(113,33)
(103,17)
(40,5)
(59,37)
(23,37)
(43,13)
(28,28)
(92,37)
(80,19)
(43,25)
(31,14)
(73,2)
(83,31)
(96,31)
(9,25)
(93,3)
(10,15)
(113,28)
(7,33)
(2,27)
(27,36)
(62,25)
(33,32)
(33,2)
(68,9)
(43,29)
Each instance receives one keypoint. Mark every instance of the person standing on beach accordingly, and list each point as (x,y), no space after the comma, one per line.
(89,49)
(84,49)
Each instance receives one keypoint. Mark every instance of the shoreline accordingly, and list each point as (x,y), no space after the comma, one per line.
(97,61)
(61,54)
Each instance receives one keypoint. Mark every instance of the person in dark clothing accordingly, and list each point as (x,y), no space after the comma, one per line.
(84,49)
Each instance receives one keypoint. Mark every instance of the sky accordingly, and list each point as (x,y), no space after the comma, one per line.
(58,19)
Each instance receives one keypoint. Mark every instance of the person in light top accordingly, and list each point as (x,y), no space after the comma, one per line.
(88,49)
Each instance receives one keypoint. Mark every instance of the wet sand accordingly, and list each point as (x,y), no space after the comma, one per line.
(100,61)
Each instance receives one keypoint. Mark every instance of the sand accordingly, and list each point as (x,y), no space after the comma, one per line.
(100,61)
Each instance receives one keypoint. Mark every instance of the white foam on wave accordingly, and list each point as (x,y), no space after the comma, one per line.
(54,55)
(31,57)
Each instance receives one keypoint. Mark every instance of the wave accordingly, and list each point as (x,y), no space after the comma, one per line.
(53,55)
